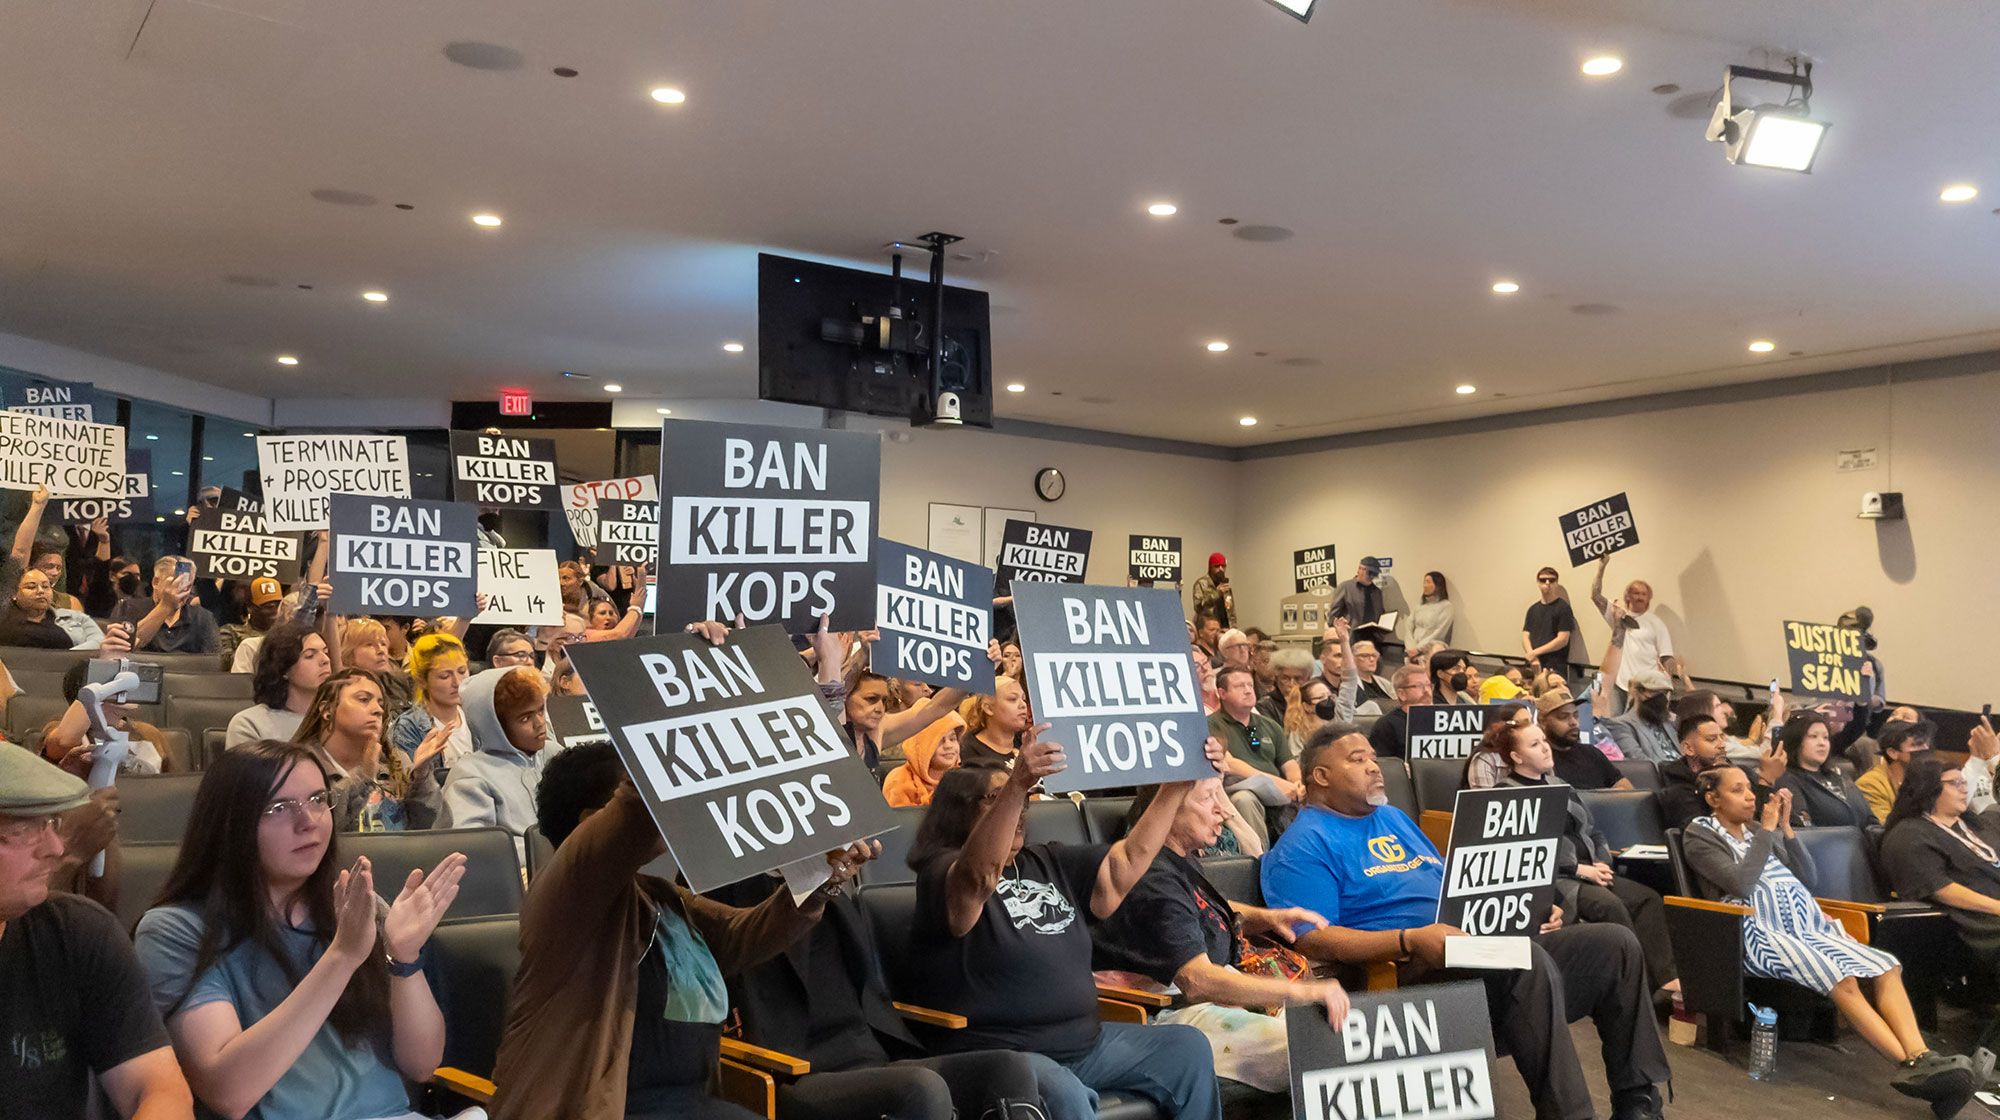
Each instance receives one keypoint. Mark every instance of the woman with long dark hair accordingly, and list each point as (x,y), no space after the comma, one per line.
(288,988)
(1938,852)
(374,788)
(1435,615)
(1453,679)
(291,666)
(1821,795)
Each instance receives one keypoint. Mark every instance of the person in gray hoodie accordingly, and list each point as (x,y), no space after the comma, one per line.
(495,784)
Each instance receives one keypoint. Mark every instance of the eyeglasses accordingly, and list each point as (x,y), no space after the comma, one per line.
(25,832)
(308,809)
(1545,579)
(1956,783)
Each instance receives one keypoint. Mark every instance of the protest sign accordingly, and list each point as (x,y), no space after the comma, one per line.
(134,506)
(58,400)
(508,472)
(935,615)
(732,749)
(1036,553)
(1449,730)
(1108,669)
(580,506)
(228,541)
(236,501)
(300,472)
(1416,1053)
(1500,875)
(1826,659)
(627,532)
(1155,560)
(773,524)
(403,556)
(520,586)
(73,458)
(573,721)
(1598,529)
(1312,568)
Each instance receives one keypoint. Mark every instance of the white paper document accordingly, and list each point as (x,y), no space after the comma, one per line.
(1486,952)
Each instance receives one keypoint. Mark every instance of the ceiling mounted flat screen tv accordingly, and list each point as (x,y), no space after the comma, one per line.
(844,338)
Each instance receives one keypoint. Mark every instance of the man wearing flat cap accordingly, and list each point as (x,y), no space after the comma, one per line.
(77,1002)
(1358,600)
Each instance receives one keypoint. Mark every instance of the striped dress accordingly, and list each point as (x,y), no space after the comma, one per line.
(1790,937)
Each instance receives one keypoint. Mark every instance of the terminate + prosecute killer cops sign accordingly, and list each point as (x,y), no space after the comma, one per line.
(732,749)
(773,524)
(404,556)
(1598,530)
(301,472)
(73,458)
(1500,876)
(133,507)
(935,616)
(1108,669)
(506,472)
(1416,1053)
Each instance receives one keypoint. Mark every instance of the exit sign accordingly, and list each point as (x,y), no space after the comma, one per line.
(516,402)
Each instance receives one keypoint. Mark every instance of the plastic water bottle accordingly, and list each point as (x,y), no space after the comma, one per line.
(1763,1043)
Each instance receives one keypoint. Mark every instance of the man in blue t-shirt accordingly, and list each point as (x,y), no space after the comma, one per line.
(1366,867)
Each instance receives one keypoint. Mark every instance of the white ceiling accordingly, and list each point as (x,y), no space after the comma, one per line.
(1419,149)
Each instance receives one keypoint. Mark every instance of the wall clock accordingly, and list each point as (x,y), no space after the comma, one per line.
(1049,484)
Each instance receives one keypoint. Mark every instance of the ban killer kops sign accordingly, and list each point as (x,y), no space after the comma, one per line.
(1449,730)
(1500,875)
(1108,669)
(1415,1053)
(1312,569)
(627,532)
(732,749)
(60,400)
(508,472)
(403,556)
(1036,553)
(935,617)
(773,524)
(1598,530)
(233,540)
(1155,560)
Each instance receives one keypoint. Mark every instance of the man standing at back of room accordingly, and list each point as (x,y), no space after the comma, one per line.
(1647,643)
(1358,600)
(1213,597)
(1548,627)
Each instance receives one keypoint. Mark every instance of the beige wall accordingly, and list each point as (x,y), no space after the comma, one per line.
(1743,521)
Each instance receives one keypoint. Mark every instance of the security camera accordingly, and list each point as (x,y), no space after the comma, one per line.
(948,410)
(1884,506)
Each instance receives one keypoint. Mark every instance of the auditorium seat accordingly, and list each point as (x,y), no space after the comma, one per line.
(474,961)
(1438,781)
(154,809)
(179,749)
(492,882)
(1625,816)
(142,871)
(1642,773)
(1396,783)
(1920,935)
(32,711)
(197,714)
(540,851)
(1056,820)
(43,682)
(212,743)
(214,684)
(892,866)
(1104,818)
(1237,877)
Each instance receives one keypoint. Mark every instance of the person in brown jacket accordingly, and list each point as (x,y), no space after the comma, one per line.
(618,1006)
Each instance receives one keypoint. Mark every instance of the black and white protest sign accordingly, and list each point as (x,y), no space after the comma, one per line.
(1036,553)
(1500,874)
(133,507)
(774,524)
(580,508)
(1448,730)
(228,541)
(73,458)
(627,532)
(1108,668)
(1826,659)
(1598,529)
(300,472)
(236,501)
(1312,569)
(403,556)
(573,721)
(732,749)
(508,472)
(935,615)
(58,400)
(1416,1053)
(1155,560)
(521,587)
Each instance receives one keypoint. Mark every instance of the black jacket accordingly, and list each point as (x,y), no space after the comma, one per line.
(1681,800)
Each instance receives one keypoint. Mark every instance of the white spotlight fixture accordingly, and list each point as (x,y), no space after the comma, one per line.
(1217,347)
(732,348)
(1302,10)
(287,360)
(1016,387)
(1781,136)
(1467,390)
(1248,421)
(488,221)
(1603,65)
(1958,192)
(1163,209)
(1763,346)
(375,297)
(1505,287)
(668,95)
(613,387)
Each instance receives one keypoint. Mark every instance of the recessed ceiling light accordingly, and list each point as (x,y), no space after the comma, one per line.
(1163,209)
(150,435)
(1248,421)
(1217,347)
(177,474)
(1505,287)
(1467,390)
(490,221)
(1958,192)
(1763,346)
(208,458)
(160,517)
(249,435)
(1602,65)
(375,297)
(664,411)
(732,348)
(1016,387)
(668,95)
(287,360)
(613,387)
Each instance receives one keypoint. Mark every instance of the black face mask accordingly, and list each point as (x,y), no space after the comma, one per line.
(128,584)
(1325,709)
(1654,708)
(1458,682)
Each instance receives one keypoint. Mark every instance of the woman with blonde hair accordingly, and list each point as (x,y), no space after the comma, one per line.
(364,644)
(373,788)
(437,666)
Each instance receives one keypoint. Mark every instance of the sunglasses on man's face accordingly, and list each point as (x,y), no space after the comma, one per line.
(1545,579)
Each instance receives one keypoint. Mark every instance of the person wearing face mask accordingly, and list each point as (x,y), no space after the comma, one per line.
(1901,742)
(265,595)
(127,582)
(1647,730)
(1452,678)
(1702,749)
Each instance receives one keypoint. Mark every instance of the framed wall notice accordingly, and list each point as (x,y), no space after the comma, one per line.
(955,532)
(996,525)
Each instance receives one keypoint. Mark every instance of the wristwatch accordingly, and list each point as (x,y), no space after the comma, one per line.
(398,969)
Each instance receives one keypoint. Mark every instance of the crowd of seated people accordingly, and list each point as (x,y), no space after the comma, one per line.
(273,976)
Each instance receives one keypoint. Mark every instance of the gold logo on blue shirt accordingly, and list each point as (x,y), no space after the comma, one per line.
(1386,848)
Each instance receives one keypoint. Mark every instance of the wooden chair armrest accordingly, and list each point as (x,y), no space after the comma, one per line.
(1382,976)
(478,1090)
(1853,920)
(1436,824)
(1117,1011)
(771,1061)
(928,1017)
(745,1087)
(1704,904)
(1134,996)
(1857,907)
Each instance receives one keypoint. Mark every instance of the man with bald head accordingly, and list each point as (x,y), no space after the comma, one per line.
(1369,870)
